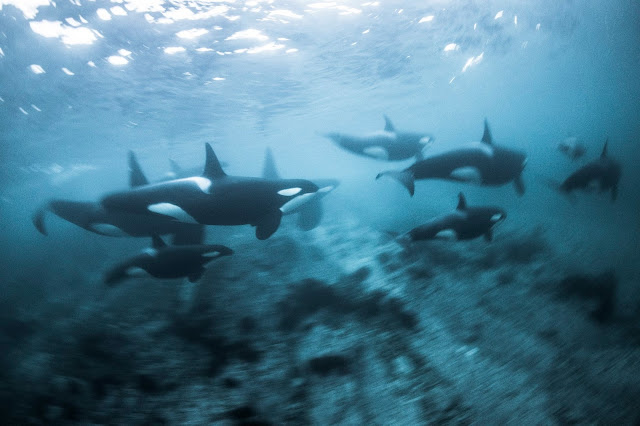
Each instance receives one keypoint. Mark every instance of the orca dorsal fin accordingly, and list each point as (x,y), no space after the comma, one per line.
(175,167)
(486,136)
(462,202)
(136,176)
(388,125)
(212,167)
(604,149)
(157,242)
(269,170)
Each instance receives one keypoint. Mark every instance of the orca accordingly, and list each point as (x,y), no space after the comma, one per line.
(483,163)
(215,198)
(465,223)
(604,173)
(310,215)
(388,144)
(167,262)
(93,217)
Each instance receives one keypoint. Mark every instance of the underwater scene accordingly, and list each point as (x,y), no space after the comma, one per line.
(344,212)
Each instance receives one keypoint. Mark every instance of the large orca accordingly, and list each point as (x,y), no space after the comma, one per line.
(387,144)
(216,198)
(604,173)
(162,261)
(310,215)
(465,223)
(483,163)
(93,217)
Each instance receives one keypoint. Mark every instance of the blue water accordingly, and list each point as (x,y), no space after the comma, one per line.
(83,82)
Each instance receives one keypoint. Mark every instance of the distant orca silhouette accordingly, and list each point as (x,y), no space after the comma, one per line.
(93,217)
(572,148)
(388,144)
(168,262)
(465,223)
(483,163)
(604,173)
(309,215)
(217,199)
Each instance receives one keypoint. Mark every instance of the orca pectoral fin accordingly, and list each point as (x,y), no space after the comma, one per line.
(38,220)
(268,224)
(195,276)
(405,177)
(489,235)
(519,184)
(189,235)
(310,215)
(614,193)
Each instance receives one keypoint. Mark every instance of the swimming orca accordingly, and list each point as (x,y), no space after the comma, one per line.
(162,261)
(465,223)
(310,215)
(481,162)
(387,144)
(215,198)
(604,173)
(93,217)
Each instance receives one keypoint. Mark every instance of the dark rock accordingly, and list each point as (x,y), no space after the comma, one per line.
(248,324)
(312,296)
(99,385)
(600,287)
(230,383)
(70,411)
(328,364)
(395,309)
(243,351)
(242,413)
(147,384)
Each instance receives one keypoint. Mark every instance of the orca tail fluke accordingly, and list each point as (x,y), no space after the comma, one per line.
(38,220)
(405,177)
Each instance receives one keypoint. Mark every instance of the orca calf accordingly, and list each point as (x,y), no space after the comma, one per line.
(162,261)
(216,198)
(309,215)
(483,163)
(387,144)
(465,223)
(604,173)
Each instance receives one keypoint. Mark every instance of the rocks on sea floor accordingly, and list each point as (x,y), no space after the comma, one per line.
(339,325)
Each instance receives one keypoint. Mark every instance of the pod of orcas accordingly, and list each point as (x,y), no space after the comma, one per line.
(183,203)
